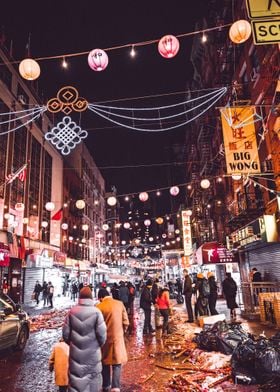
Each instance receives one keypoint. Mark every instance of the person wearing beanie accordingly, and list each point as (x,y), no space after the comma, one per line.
(114,353)
(85,331)
(146,304)
(212,299)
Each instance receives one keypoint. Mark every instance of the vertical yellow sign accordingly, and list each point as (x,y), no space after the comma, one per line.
(187,233)
(240,141)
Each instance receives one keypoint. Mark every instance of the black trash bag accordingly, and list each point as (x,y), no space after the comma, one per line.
(243,361)
(243,376)
(271,386)
(228,341)
(206,341)
(267,363)
(275,341)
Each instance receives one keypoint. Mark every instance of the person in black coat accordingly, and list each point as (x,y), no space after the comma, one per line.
(230,291)
(187,291)
(146,304)
(212,299)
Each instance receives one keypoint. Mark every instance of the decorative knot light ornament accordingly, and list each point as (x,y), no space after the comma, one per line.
(66,135)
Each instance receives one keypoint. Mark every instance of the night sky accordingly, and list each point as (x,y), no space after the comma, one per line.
(63,27)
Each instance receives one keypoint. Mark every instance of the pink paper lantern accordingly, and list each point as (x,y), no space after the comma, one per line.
(98,60)
(168,46)
(143,196)
(174,191)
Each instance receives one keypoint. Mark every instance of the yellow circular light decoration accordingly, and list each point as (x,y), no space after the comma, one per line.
(80,204)
(29,69)
(105,227)
(112,201)
(240,31)
(205,183)
(64,226)
(85,227)
(159,221)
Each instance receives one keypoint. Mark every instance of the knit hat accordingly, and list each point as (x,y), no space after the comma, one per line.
(209,274)
(200,275)
(85,292)
(149,282)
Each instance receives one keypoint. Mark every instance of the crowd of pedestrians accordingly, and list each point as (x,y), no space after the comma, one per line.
(47,291)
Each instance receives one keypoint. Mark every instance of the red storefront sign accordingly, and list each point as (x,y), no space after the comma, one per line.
(213,253)
(59,258)
(4,258)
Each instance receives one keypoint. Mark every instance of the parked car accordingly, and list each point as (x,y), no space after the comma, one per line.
(14,324)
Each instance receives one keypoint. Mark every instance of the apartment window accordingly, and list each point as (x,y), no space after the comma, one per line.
(34,186)
(6,76)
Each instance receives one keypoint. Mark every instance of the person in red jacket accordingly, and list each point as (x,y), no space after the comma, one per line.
(163,304)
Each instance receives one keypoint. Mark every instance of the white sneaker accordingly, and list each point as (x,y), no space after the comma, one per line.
(115,390)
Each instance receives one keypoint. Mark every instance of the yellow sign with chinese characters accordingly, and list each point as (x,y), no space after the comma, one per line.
(263,8)
(187,233)
(240,141)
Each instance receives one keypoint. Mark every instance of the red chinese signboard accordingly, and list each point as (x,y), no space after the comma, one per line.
(213,253)
(4,258)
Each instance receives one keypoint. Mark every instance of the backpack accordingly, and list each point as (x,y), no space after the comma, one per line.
(205,288)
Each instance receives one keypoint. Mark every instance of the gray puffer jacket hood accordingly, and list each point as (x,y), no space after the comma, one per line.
(85,331)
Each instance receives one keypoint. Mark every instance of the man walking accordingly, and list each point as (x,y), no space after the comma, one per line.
(85,331)
(187,291)
(113,352)
(146,304)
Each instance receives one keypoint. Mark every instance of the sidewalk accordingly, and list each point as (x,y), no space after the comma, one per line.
(59,303)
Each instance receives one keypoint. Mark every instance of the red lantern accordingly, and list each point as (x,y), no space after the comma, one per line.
(98,60)
(168,46)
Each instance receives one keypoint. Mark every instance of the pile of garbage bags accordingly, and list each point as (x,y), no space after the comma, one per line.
(257,361)
(253,361)
(222,337)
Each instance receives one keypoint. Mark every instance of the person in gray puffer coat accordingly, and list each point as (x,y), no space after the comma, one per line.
(85,331)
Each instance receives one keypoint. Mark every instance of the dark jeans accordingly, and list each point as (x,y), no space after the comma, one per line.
(212,304)
(202,306)
(111,376)
(63,388)
(46,299)
(188,300)
(147,323)
(51,300)
(165,315)
(37,297)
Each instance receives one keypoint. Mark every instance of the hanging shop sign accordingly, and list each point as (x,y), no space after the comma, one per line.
(263,8)
(4,258)
(240,141)
(266,31)
(187,233)
(214,253)
(59,258)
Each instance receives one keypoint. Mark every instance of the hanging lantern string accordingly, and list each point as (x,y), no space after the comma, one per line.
(138,44)
(28,112)
(39,113)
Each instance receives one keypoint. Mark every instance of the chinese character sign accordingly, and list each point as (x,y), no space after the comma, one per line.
(240,140)
(187,233)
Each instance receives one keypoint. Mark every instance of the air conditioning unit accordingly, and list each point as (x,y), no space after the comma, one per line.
(22,99)
(254,74)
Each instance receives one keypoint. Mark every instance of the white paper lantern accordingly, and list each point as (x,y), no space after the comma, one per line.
(174,190)
(64,226)
(29,69)
(44,224)
(85,227)
(80,204)
(205,183)
(236,177)
(123,242)
(147,222)
(111,201)
(19,207)
(50,206)
(105,227)
(143,196)
(240,31)
(126,225)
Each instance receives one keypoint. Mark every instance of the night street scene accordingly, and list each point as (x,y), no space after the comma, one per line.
(140,196)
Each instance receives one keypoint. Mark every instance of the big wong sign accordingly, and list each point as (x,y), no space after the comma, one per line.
(240,141)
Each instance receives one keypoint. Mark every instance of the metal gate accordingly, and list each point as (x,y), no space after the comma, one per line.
(266,258)
(30,276)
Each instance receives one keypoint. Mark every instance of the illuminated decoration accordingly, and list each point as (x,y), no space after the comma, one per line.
(85,227)
(123,242)
(105,227)
(126,198)
(187,233)
(188,212)
(66,135)
(67,100)
(151,239)
(71,238)
(112,201)
(50,206)
(80,204)
(7,215)
(241,148)
(44,224)
(205,183)
(168,46)
(113,113)
(84,240)
(19,207)
(159,220)
(29,69)
(236,177)
(98,60)
(158,193)
(25,221)
(143,196)
(189,187)
(147,222)
(64,226)
(174,190)
(126,225)
(177,231)
(240,31)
